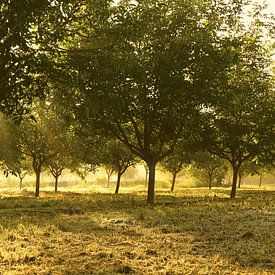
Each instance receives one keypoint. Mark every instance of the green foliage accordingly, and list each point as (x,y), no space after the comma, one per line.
(139,73)
(241,112)
(30,32)
(209,170)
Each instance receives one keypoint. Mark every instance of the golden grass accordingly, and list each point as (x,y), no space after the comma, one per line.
(193,231)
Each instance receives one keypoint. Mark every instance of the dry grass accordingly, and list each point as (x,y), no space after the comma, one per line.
(191,232)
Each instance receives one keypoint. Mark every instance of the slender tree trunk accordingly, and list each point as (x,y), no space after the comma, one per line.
(261,180)
(118,182)
(239,181)
(37,182)
(234,182)
(56,183)
(173,182)
(108,182)
(210,181)
(151,183)
(21,182)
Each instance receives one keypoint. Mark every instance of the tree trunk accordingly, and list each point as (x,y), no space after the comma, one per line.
(55,185)
(21,182)
(151,183)
(261,180)
(210,181)
(240,181)
(109,177)
(173,182)
(37,182)
(234,182)
(118,182)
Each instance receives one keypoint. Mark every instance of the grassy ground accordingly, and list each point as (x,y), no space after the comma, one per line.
(193,231)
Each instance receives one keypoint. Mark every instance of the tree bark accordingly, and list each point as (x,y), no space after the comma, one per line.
(210,181)
(173,182)
(20,184)
(234,182)
(118,182)
(240,181)
(37,182)
(261,180)
(151,183)
(56,183)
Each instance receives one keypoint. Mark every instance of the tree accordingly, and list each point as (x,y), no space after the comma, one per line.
(123,158)
(56,166)
(41,137)
(116,157)
(208,167)
(110,169)
(241,114)
(248,167)
(30,36)
(21,168)
(176,161)
(139,73)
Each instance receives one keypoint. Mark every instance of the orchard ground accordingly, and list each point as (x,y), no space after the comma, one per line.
(190,231)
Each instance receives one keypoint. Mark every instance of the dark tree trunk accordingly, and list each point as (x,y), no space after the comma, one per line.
(37,182)
(173,182)
(239,181)
(56,184)
(151,183)
(234,182)
(261,180)
(118,182)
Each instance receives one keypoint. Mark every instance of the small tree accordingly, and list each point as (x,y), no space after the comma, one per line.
(41,137)
(207,167)
(23,168)
(110,169)
(175,162)
(116,157)
(56,166)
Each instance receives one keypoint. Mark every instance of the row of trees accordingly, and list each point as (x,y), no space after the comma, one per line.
(43,140)
(151,75)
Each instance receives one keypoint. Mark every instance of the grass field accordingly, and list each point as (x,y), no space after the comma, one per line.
(193,231)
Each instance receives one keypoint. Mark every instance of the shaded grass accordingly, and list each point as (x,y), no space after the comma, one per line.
(195,231)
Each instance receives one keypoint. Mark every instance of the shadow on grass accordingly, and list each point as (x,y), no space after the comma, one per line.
(240,230)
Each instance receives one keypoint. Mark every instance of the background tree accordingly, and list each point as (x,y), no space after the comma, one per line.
(57,165)
(40,137)
(110,169)
(116,157)
(175,162)
(242,109)
(208,168)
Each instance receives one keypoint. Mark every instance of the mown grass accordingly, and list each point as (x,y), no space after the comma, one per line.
(194,231)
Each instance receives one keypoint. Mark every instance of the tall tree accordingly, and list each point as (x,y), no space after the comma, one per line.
(242,110)
(140,74)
